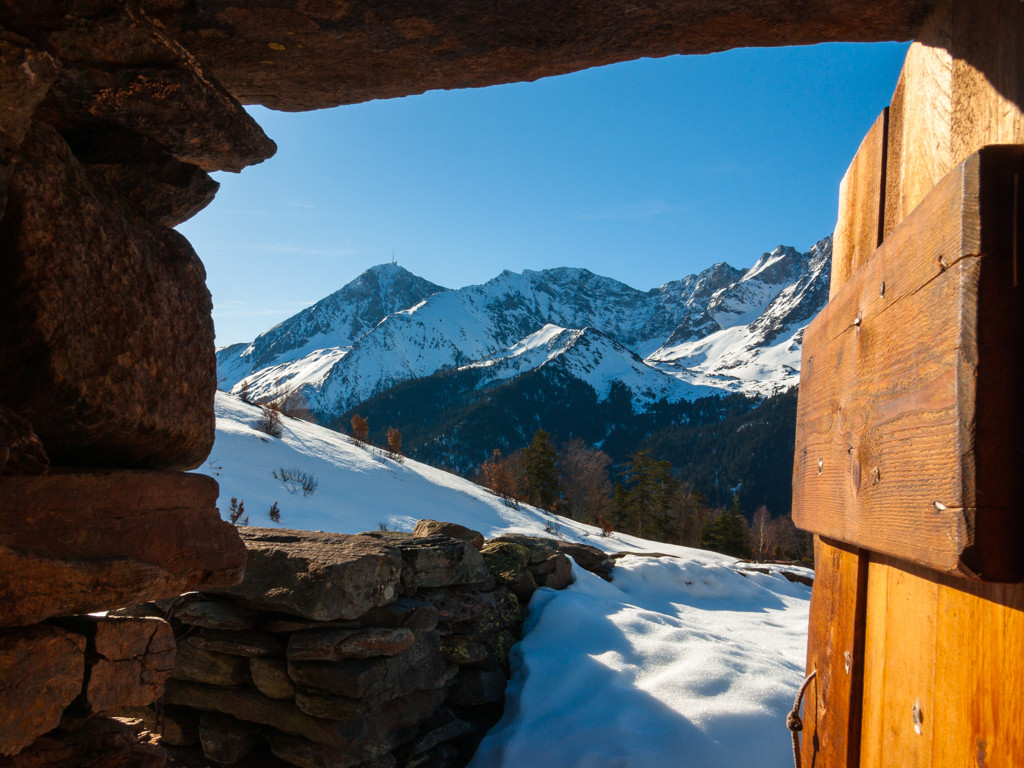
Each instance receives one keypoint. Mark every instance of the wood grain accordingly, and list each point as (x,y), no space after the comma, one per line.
(887,419)
(835,648)
(955,646)
(861,206)
(961,88)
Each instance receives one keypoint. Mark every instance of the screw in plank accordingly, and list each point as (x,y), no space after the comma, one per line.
(939,506)
(821,465)
(876,476)
(848,659)
(918,717)
(857,321)
(881,287)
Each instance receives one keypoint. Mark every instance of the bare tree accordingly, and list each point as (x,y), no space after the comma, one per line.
(764,535)
(360,428)
(504,476)
(270,420)
(586,486)
(394,443)
(295,405)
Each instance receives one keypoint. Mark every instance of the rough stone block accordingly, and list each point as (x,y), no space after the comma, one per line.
(338,644)
(476,687)
(247,704)
(218,614)
(88,541)
(270,676)
(454,530)
(202,666)
(352,573)
(248,643)
(128,661)
(225,739)
(378,679)
(463,651)
(110,310)
(408,612)
(441,561)
(555,572)
(388,726)
(120,68)
(41,673)
(25,77)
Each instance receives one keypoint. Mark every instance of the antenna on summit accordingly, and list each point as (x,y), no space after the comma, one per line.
(393,259)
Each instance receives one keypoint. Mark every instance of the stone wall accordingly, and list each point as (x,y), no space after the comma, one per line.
(377,649)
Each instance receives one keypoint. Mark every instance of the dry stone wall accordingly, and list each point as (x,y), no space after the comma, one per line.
(376,649)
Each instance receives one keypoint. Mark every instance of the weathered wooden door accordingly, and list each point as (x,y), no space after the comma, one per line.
(910,442)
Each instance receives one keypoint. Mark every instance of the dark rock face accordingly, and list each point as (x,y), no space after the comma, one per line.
(111,311)
(41,671)
(21,451)
(299,55)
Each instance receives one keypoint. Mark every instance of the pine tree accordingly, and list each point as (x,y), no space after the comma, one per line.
(541,469)
(727,532)
(646,500)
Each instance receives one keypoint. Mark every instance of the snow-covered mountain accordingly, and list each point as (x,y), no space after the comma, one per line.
(722,330)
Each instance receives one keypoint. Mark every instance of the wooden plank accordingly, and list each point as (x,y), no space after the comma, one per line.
(861,206)
(961,88)
(955,646)
(835,648)
(899,696)
(887,453)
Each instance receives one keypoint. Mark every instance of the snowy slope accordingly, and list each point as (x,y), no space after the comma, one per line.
(681,339)
(680,655)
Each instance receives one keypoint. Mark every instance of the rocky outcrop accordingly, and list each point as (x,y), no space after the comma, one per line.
(346,650)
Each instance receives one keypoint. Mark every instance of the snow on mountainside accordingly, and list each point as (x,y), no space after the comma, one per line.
(722,329)
(334,323)
(685,653)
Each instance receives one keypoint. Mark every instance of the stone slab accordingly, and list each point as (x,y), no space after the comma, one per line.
(352,573)
(87,541)
(338,644)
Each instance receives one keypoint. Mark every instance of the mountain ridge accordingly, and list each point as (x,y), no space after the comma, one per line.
(721,330)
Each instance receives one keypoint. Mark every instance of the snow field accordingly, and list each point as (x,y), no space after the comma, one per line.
(682,660)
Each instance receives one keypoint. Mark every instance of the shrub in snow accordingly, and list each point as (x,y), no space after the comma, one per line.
(294,479)
(237,512)
(270,420)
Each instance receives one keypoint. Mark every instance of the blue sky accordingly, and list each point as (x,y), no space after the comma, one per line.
(645,171)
